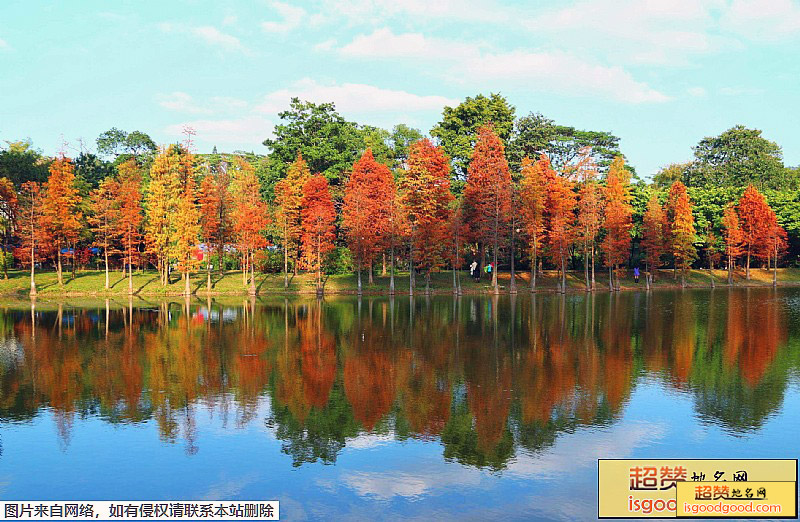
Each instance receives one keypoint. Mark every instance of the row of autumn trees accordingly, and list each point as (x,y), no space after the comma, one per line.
(162,214)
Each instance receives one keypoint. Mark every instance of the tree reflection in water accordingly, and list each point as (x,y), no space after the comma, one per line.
(487,377)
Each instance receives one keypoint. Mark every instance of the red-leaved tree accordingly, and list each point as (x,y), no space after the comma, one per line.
(318,216)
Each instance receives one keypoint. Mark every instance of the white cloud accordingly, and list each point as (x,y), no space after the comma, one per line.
(383,43)
(182,102)
(325,45)
(246,131)
(697,92)
(292,16)
(209,34)
(634,31)
(213,36)
(229,20)
(376,12)
(553,71)
(560,73)
(4,44)
(353,98)
(759,20)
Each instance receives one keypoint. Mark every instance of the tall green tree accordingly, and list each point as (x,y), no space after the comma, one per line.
(458,131)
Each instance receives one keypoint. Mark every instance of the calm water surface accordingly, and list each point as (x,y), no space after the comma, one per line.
(468,408)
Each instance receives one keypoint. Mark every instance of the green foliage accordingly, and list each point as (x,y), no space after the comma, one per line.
(329,143)
(339,261)
(92,169)
(737,157)
(457,131)
(535,134)
(20,162)
(122,146)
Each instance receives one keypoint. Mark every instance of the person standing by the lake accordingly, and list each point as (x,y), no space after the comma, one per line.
(472,270)
(636,274)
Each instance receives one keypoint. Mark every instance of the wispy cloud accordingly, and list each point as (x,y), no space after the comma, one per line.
(697,92)
(291,18)
(551,71)
(208,34)
(248,131)
(353,98)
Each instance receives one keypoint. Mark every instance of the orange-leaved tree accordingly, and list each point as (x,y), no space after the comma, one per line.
(318,217)
(8,216)
(560,225)
(34,237)
(60,215)
(682,232)
(733,238)
(487,195)
(590,210)
(425,195)
(129,217)
(250,215)
(654,236)
(754,215)
(215,213)
(533,196)
(161,203)
(186,220)
(104,217)
(365,212)
(288,197)
(618,221)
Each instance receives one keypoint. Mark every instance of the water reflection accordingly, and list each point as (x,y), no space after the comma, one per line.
(486,377)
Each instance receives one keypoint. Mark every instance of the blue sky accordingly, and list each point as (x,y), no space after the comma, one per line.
(659,74)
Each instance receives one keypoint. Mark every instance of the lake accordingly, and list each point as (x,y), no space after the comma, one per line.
(427,408)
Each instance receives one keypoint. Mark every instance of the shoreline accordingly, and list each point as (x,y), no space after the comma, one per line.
(229,284)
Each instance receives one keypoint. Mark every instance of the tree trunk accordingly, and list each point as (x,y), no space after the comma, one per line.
(563,274)
(775,267)
(130,269)
(105,255)
(647,275)
(252,274)
(748,263)
(411,269)
(383,267)
(33,266)
(730,270)
(428,282)
(58,268)
(244,270)
(610,279)
(593,282)
(371,281)
(187,289)
(391,272)
(285,264)
(494,261)
(220,254)
(586,265)
(533,267)
(512,287)
(359,278)
(208,280)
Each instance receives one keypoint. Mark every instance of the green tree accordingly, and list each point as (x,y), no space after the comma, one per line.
(20,162)
(737,157)
(329,143)
(457,132)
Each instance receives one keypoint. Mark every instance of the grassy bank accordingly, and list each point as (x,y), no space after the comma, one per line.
(92,282)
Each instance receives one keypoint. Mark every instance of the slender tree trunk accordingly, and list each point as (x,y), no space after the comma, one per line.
(383,268)
(359,277)
(72,246)
(252,274)
(775,267)
(647,275)
(208,280)
(748,263)
(130,265)
(245,269)
(319,266)
(513,285)
(534,260)
(220,255)
(586,265)
(33,264)
(730,270)
(563,274)
(105,255)
(187,289)
(428,282)
(593,281)
(58,268)
(285,260)
(391,272)
(371,281)
(411,269)
(494,256)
